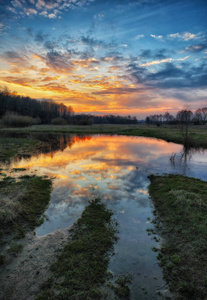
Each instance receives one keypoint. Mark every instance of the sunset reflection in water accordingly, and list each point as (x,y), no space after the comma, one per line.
(116,169)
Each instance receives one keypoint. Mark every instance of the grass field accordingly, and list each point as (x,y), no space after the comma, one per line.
(170,133)
(180,217)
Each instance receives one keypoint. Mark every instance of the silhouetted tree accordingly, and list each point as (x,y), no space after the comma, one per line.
(201,115)
(184,118)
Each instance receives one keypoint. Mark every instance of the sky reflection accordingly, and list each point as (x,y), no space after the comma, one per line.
(116,169)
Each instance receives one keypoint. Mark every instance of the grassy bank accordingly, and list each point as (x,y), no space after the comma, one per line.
(171,133)
(180,216)
(81,268)
(22,204)
(10,147)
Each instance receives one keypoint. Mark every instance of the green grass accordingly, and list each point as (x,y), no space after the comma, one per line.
(181,207)
(10,147)
(23,202)
(170,133)
(15,249)
(81,268)
(121,286)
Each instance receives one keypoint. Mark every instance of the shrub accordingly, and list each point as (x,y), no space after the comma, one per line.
(12,120)
(85,120)
(58,121)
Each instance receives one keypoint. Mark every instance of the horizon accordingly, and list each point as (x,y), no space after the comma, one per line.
(134,58)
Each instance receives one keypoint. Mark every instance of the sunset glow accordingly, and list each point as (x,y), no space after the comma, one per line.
(135,57)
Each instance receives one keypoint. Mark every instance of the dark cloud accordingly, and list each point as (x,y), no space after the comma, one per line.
(40,37)
(137,73)
(171,76)
(160,54)
(14,57)
(59,62)
(91,42)
(30,31)
(50,45)
(11,55)
(149,54)
(196,48)
(169,71)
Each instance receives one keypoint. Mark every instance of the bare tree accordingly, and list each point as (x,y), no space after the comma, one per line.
(201,115)
(184,118)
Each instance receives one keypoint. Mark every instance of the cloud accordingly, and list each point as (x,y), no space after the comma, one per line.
(156,62)
(181,59)
(20,81)
(50,78)
(196,48)
(157,37)
(47,8)
(40,37)
(91,42)
(30,32)
(156,54)
(169,71)
(118,91)
(59,62)
(30,11)
(139,36)
(52,16)
(3,28)
(14,57)
(55,88)
(170,75)
(185,36)
(99,16)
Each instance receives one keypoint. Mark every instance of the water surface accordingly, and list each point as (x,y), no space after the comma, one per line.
(116,169)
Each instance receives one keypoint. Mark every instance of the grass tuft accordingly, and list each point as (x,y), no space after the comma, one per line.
(15,249)
(23,202)
(82,266)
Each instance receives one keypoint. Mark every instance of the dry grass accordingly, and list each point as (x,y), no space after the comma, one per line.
(23,202)
(12,120)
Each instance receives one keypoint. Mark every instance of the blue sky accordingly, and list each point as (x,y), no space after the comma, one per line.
(122,57)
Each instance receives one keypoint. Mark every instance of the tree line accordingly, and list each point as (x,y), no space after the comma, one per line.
(25,106)
(182,116)
(18,110)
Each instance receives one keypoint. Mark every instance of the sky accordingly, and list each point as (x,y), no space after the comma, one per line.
(137,57)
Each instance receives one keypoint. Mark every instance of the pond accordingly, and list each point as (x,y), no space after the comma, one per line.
(116,169)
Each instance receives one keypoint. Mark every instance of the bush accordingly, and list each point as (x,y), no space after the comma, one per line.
(58,121)
(12,120)
(85,121)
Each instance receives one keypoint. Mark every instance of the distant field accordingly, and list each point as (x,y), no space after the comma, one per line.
(170,133)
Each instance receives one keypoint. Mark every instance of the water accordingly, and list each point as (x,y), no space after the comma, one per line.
(116,169)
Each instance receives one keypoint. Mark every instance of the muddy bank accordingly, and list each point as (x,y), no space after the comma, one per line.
(22,273)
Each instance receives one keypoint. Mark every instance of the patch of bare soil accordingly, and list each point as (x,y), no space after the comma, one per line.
(23,273)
